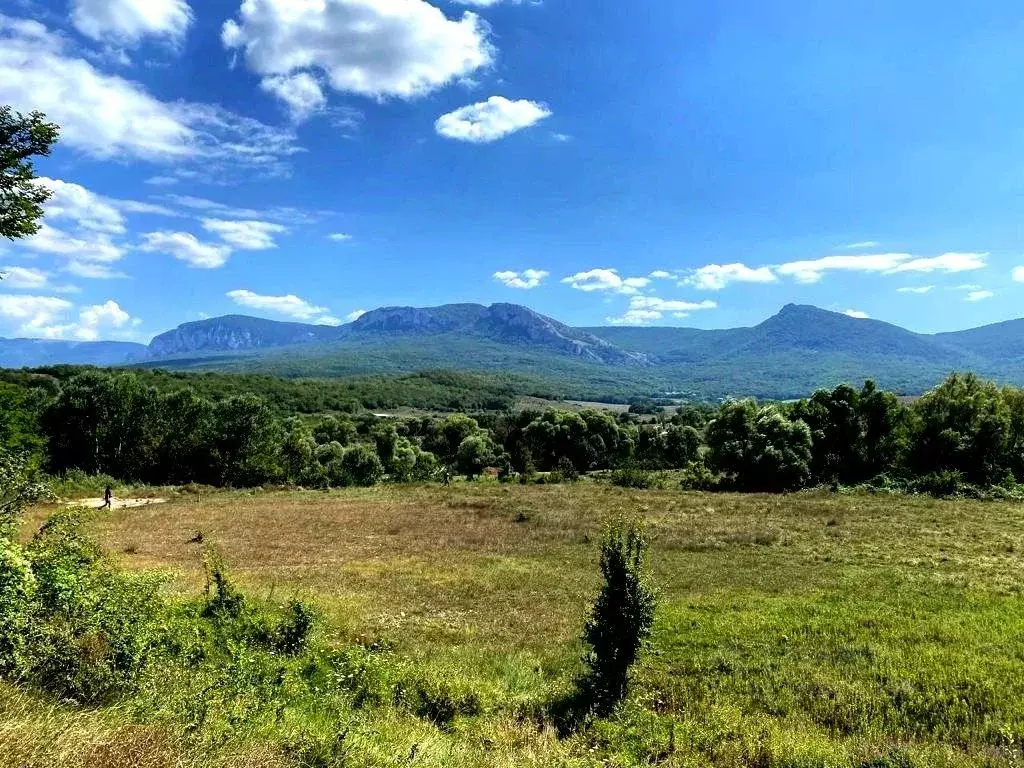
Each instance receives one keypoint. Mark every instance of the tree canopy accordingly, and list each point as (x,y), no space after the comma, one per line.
(21,196)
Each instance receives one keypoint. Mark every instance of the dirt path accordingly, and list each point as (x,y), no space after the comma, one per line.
(116,503)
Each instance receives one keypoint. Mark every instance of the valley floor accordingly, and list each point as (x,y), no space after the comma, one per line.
(801,630)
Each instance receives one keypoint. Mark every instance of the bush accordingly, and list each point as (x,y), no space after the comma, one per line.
(620,621)
(632,477)
(292,635)
(697,477)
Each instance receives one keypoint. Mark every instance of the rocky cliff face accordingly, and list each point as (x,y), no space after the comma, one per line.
(516,324)
(236,333)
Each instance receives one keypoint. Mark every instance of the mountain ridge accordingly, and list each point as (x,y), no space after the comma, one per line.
(799,347)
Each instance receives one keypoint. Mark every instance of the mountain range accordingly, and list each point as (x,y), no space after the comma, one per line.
(788,355)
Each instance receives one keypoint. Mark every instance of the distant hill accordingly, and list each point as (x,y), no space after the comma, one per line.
(25,353)
(788,355)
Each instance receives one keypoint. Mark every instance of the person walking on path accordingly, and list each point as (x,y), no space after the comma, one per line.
(108,497)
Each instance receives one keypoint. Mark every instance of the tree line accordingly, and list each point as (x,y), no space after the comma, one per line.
(966,433)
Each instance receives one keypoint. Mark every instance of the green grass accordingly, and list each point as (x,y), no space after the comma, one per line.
(805,630)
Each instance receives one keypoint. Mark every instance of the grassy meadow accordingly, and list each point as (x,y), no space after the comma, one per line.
(812,629)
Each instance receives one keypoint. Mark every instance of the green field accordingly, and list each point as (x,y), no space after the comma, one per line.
(800,630)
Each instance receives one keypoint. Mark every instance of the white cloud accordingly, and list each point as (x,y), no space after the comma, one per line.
(107,116)
(162,181)
(486,3)
(93,271)
(339,237)
(669,305)
(87,209)
(636,317)
(606,280)
(947,262)
(857,314)
(1018,275)
(813,271)
(354,315)
(290,306)
(213,208)
(25,278)
(525,280)
(33,314)
(490,120)
(186,247)
(858,246)
(245,235)
(648,309)
(128,21)
(916,289)
(301,94)
(375,48)
(715,277)
(92,320)
(661,274)
(86,246)
(979,295)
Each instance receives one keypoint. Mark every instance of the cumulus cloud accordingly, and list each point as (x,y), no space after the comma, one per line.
(107,116)
(94,321)
(83,245)
(715,277)
(525,280)
(186,247)
(301,94)
(245,235)
(856,314)
(648,309)
(33,315)
(979,295)
(290,306)
(128,21)
(919,289)
(812,271)
(490,120)
(661,274)
(339,237)
(354,315)
(27,278)
(374,48)
(85,208)
(1018,275)
(606,280)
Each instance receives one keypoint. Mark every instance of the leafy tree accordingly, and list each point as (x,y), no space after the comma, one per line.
(361,466)
(621,618)
(475,454)
(247,439)
(297,453)
(449,435)
(964,424)
(682,445)
(329,457)
(185,452)
(759,449)
(21,197)
(404,457)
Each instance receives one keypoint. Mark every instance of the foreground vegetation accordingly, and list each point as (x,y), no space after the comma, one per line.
(800,630)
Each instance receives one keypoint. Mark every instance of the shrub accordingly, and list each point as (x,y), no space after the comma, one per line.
(633,477)
(292,635)
(621,619)
(567,470)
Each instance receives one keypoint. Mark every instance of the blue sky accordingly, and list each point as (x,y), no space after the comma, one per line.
(663,162)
